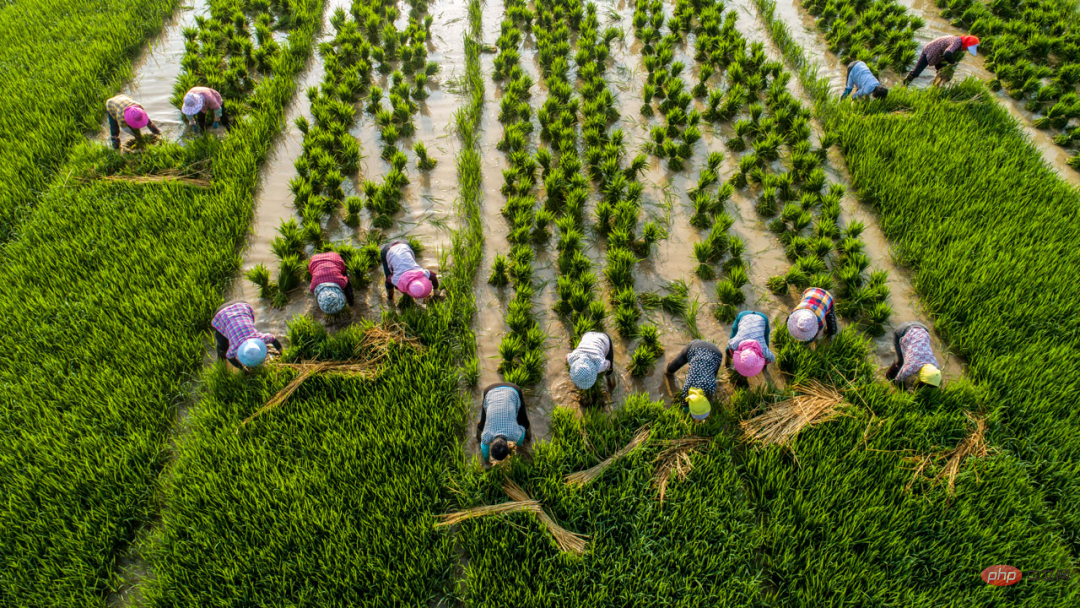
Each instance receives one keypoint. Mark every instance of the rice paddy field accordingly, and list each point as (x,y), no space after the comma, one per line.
(646,168)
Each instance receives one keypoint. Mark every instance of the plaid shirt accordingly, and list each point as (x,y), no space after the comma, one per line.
(501,405)
(818,301)
(115,106)
(327,268)
(917,350)
(935,49)
(237,323)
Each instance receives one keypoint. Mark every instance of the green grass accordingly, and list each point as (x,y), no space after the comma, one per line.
(998,290)
(101,347)
(62,59)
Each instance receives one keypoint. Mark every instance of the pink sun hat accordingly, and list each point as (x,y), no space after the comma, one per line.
(803,325)
(136,117)
(415,283)
(748,359)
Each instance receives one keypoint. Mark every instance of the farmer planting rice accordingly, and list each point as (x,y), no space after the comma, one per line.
(125,112)
(329,282)
(815,312)
(404,274)
(503,421)
(863,82)
(594,354)
(915,364)
(237,339)
(703,360)
(200,101)
(947,49)
(748,348)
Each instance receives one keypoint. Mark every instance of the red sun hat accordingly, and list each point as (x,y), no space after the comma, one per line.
(969,41)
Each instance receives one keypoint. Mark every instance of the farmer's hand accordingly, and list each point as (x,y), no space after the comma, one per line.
(215,125)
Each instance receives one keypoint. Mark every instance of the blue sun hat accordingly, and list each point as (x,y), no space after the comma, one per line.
(252,352)
(330,297)
(583,371)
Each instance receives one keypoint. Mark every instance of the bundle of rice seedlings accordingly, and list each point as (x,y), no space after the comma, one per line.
(506,508)
(812,404)
(581,478)
(674,461)
(565,539)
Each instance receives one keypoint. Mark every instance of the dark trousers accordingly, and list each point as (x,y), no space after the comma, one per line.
(920,66)
(201,120)
(830,322)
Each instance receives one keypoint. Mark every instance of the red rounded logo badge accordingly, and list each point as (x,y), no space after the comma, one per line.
(1002,575)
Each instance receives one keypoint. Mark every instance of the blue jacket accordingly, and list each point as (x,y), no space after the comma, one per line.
(860,78)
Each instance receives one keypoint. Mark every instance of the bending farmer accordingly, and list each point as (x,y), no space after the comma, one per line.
(947,49)
(862,81)
(329,282)
(593,355)
(704,360)
(200,101)
(403,273)
(503,421)
(237,339)
(915,361)
(816,311)
(125,112)
(748,348)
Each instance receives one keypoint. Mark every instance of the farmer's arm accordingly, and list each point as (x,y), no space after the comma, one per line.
(679,361)
(434,278)
(849,86)
(951,53)
(153,128)
(349,296)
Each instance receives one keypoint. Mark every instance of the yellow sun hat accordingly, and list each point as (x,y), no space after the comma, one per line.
(928,374)
(698,404)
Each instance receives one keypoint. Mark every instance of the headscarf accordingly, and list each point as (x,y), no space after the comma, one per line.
(330,297)
(415,283)
(193,104)
(252,352)
(583,371)
(803,325)
(698,404)
(929,374)
(971,43)
(748,359)
(136,117)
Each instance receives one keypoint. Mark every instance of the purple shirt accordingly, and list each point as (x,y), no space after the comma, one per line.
(917,350)
(237,323)
(936,48)
(211,98)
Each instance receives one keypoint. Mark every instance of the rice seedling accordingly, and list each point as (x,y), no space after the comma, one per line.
(423,160)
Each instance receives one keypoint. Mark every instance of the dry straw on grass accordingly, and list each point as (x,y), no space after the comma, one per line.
(583,477)
(528,506)
(198,182)
(812,404)
(974,445)
(674,461)
(565,539)
(374,349)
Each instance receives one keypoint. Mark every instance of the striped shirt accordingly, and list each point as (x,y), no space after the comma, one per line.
(817,301)
(501,406)
(594,345)
(917,350)
(752,326)
(327,268)
(703,363)
(237,323)
(935,49)
(115,106)
(400,259)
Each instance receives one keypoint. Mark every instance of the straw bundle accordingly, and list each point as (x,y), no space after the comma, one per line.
(565,539)
(974,445)
(583,477)
(528,506)
(812,404)
(198,182)
(674,461)
(366,369)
